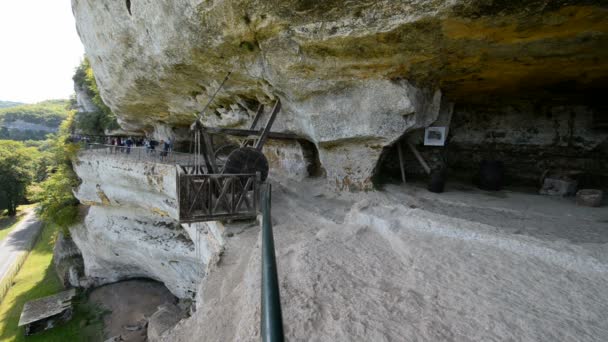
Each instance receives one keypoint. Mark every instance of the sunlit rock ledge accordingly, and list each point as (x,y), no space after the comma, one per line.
(131,228)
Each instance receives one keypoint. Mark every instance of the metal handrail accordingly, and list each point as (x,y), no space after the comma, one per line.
(271,321)
(143,153)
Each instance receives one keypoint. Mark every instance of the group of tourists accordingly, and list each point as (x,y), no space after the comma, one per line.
(120,144)
(164,146)
(124,145)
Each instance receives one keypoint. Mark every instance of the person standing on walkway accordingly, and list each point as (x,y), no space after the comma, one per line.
(147,145)
(129,143)
(163,152)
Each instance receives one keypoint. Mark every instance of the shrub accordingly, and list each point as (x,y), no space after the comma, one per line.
(57,202)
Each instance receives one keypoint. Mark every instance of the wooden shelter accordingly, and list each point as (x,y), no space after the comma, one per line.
(44,313)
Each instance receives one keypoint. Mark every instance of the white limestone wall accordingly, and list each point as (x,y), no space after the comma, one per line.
(131,228)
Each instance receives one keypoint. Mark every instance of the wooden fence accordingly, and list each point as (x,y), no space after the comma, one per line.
(211,197)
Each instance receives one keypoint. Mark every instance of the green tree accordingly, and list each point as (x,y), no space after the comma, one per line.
(57,202)
(17,165)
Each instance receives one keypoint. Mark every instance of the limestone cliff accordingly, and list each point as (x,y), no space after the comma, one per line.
(338,67)
(131,228)
(354,77)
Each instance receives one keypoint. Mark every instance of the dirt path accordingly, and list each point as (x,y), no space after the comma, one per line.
(17,241)
(130,304)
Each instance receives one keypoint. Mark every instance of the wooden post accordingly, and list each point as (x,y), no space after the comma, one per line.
(209,153)
(258,114)
(257,117)
(401,163)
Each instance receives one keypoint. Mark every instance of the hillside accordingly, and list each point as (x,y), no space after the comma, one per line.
(32,121)
(6,104)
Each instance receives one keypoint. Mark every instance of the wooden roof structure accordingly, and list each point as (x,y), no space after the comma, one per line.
(46,307)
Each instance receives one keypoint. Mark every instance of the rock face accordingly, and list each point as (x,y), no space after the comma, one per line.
(68,262)
(131,228)
(163,319)
(389,269)
(338,69)
(20,125)
(84,103)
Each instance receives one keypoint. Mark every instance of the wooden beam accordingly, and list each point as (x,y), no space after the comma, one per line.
(248,132)
(257,117)
(425,166)
(264,135)
(401,163)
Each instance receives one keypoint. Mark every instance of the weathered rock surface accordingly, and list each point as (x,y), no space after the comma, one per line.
(388,271)
(130,304)
(558,187)
(67,260)
(20,125)
(125,243)
(165,318)
(112,180)
(131,229)
(339,69)
(158,62)
(84,102)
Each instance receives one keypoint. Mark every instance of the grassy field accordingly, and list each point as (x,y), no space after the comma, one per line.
(37,279)
(7,223)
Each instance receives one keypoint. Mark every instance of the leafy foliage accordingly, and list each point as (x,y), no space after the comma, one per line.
(17,163)
(41,171)
(101,120)
(57,202)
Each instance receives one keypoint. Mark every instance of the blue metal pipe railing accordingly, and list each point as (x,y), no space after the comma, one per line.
(271,320)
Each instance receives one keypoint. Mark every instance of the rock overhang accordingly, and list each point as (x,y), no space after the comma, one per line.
(159,65)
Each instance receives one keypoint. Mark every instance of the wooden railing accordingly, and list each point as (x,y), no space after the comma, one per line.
(212,197)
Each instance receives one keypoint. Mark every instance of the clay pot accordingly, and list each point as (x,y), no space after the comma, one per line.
(437,181)
(491,175)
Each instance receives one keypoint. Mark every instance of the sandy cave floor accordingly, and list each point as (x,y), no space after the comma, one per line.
(404,264)
(129,303)
(408,264)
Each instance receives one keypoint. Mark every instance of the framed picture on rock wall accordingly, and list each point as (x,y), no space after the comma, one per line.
(434,136)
